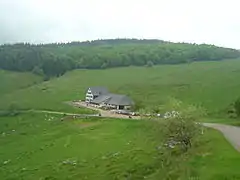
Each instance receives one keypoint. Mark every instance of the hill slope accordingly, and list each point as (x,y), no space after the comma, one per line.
(213,85)
(12,81)
(40,146)
(55,59)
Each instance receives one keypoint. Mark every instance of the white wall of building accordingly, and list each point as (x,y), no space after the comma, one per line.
(89,96)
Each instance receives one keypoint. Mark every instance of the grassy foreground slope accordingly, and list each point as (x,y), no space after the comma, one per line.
(213,85)
(39,146)
(213,159)
(12,81)
(35,146)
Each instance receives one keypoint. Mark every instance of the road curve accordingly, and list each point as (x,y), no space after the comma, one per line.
(231,133)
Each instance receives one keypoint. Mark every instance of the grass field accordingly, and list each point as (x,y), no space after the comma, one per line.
(13,81)
(224,120)
(216,159)
(213,159)
(28,91)
(213,85)
(36,146)
(103,149)
(39,146)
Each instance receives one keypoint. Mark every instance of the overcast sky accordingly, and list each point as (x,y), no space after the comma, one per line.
(43,21)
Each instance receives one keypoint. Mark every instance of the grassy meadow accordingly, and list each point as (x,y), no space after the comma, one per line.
(40,146)
(13,81)
(37,147)
(212,85)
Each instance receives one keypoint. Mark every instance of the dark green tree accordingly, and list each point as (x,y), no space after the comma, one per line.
(237,107)
(38,71)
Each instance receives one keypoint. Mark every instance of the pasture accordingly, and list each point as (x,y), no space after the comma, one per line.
(40,146)
(211,85)
(43,147)
(13,81)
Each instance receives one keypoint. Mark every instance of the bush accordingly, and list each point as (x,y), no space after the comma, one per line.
(11,111)
(156,109)
(149,64)
(137,106)
(237,107)
(180,136)
(38,71)
(180,131)
(46,78)
(191,111)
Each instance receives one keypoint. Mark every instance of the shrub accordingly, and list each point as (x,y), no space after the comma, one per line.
(149,64)
(46,78)
(137,106)
(13,110)
(38,71)
(180,136)
(180,131)
(237,107)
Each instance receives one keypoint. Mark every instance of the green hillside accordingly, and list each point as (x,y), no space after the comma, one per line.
(54,147)
(40,146)
(51,60)
(212,85)
(13,81)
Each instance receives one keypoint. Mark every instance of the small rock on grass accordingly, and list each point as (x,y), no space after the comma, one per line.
(6,162)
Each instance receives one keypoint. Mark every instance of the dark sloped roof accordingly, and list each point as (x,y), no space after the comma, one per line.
(114,99)
(101,99)
(118,99)
(97,90)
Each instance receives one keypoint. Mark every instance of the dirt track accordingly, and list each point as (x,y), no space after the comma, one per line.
(103,113)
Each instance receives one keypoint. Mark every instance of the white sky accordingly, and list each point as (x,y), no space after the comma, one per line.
(42,21)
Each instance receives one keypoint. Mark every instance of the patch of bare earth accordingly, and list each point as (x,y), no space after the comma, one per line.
(104,113)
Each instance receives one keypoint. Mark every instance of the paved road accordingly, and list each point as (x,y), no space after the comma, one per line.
(231,133)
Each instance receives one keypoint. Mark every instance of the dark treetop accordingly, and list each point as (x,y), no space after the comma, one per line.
(55,59)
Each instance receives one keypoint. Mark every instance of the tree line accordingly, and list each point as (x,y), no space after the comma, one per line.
(57,58)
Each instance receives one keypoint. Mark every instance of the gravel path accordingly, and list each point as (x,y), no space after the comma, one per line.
(231,133)
(62,113)
(104,113)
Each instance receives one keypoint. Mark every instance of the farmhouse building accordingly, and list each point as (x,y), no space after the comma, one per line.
(94,92)
(100,96)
